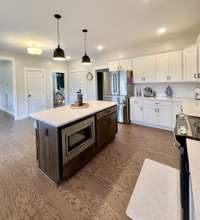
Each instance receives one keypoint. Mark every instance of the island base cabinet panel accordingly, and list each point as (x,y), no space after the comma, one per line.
(48,151)
(106,129)
(79,161)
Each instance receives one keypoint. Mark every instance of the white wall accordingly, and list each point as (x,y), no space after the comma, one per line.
(24,61)
(6,87)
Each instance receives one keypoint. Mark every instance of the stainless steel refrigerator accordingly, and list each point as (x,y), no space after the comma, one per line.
(118,87)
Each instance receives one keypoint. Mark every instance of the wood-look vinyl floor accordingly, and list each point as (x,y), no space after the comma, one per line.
(100,190)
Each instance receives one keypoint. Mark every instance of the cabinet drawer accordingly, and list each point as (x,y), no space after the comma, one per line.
(106,112)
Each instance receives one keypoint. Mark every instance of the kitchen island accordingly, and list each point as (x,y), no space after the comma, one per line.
(67,138)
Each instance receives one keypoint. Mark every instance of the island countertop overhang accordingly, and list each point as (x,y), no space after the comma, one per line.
(64,115)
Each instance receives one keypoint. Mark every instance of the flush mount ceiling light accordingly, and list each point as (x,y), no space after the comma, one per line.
(34,48)
(161,30)
(59,54)
(85,58)
(100,47)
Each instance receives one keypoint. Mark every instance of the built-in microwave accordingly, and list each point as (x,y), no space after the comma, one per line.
(77,137)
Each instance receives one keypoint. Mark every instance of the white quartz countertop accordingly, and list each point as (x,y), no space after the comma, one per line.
(193,148)
(157,193)
(64,115)
(162,98)
(191,107)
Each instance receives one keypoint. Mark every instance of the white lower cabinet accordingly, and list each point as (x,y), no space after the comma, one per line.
(161,114)
(136,110)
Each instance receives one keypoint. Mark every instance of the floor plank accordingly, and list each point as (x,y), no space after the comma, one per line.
(100,190)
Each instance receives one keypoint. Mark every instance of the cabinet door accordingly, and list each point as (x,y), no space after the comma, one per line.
(113,66)
(149,63)
(102,132)
(175,66)
(149,112)
(113,126)
(125,64)
(162,67)
(138,69)
(164,116)
(136,110)
(199,61)
(190,64)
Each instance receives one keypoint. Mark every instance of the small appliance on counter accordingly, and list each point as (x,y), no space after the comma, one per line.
(79,101)
(148,92)
(197,93)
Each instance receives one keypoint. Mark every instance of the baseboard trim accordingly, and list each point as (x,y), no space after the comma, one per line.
(7,111)
(151,125)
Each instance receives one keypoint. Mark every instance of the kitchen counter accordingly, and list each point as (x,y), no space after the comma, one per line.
(191,107)
(60,116)
(163,98)
(67,138)
(193,148)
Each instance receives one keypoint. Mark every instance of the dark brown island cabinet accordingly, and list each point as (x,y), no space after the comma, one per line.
(61,151)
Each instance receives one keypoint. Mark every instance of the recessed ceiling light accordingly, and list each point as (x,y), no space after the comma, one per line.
(68,57)
(100,47)
(161,30)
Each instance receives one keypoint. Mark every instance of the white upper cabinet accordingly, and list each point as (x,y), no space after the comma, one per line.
(169,66)
(144,69)
(162,67)
(120,65)
(199,61)
(125,64)
(113,66)
(190,72)
(175,66)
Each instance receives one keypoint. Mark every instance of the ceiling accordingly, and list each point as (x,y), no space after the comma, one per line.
(111,23)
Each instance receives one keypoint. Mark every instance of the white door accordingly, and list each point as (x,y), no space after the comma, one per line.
(77,80)
(136,110)
(36,90)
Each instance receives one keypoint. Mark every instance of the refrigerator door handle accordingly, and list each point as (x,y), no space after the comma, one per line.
(113,84)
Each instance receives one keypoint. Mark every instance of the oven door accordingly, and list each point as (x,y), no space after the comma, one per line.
(76,138)
(180,142)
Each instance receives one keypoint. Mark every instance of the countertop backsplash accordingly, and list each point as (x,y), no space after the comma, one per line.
(186,90)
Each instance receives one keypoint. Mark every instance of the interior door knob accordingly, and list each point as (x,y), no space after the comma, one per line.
(29,96)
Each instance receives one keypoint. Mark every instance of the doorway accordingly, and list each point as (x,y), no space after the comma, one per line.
(8,102)
(35,90)
(58,81)
(100,82)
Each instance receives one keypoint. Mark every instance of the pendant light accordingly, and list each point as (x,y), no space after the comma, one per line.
(59,54)
(85,58)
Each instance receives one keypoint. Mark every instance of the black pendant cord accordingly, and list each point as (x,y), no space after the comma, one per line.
(85,43)
(58,32)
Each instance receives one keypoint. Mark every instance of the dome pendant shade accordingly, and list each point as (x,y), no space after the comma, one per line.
(59,54)
(85,58)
